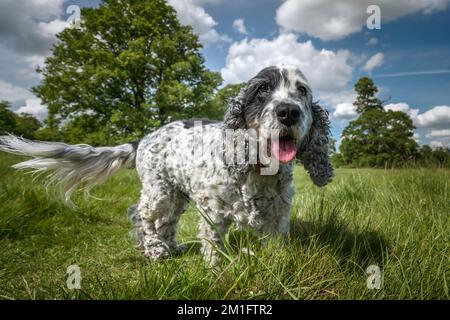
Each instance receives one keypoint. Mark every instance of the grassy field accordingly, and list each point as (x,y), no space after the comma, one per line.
(398,220)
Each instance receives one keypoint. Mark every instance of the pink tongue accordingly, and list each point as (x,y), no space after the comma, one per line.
(285,150)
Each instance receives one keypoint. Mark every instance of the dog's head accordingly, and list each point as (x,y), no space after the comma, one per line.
(279,99)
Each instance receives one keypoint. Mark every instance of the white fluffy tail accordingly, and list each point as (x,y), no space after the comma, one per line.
(70,165)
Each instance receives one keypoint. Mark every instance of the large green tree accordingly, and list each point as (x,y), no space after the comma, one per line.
(379,138)
(128,68)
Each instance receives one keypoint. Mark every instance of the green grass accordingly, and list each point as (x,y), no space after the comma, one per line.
(396,219)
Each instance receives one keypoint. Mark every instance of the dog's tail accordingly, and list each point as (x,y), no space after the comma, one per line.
(70,165)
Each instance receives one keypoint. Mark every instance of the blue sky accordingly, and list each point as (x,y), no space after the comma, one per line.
(408,58)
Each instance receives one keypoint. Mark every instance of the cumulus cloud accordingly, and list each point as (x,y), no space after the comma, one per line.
(374,61)
(10,92)
(326,70)
(239,26)
(191,13)
(35,107)
(438,144)
(28,29)
(29,26)
(437,117)
(334,20)
(439,133)
(345,111)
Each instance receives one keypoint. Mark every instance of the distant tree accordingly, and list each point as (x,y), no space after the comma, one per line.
(27,125)
(24,125)
(379,138)
(441,157)
(366,95)
(47,133)
(216,108)
(7,118)
(424,155)
(331,146)
(129,68)
(338,160)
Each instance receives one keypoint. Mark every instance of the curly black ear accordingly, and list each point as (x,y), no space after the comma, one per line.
(314,153)
(234,116)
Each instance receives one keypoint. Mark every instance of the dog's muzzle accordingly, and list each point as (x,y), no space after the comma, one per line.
(288,113)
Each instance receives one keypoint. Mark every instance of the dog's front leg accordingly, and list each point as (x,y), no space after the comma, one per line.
(277,222)
(213,228)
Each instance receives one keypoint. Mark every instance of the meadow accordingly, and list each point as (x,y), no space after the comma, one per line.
(398,220)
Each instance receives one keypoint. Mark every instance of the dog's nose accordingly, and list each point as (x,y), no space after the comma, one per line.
(287,113)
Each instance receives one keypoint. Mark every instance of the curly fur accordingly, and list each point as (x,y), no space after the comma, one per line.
(314,151)
(182,161)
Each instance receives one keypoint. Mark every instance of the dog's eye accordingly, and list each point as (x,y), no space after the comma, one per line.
(264,88)
(302,90)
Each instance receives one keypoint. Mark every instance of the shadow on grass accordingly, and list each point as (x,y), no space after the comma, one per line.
(352,245)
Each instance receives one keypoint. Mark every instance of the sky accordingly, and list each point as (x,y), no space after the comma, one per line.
(408,57)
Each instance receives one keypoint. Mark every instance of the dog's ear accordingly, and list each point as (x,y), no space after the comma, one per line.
(314,153)
(234,116)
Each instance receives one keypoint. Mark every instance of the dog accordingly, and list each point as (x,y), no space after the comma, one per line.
(174,172)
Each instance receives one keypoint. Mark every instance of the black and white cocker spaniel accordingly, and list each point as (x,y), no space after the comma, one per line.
(239,170)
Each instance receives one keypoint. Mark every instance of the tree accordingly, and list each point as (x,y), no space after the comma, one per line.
(366,98)
(24,125)
(216,108)
(128,68)
(379,138)
(27,125)
(7,118)
(331,146)
(439,157)
(424,155)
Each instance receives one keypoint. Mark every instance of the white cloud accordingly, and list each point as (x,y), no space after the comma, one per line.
(438,144)
(27,32)
(437,117)
(416,137)
(190,13)
(346,111)
(439,133)
(326,70)
(334,20)
(202,2)
(34,61)
(12,93)
(372,41)
(404,107)
(29,26)
(50,29)
(374,61)
(33,106)
(239,26)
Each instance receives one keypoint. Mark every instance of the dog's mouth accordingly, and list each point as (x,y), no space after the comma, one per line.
(285,149)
